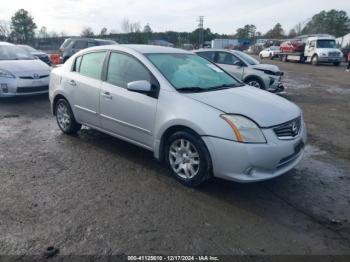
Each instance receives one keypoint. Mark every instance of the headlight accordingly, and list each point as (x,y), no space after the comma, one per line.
(4,73)
(323,54)
(246,130)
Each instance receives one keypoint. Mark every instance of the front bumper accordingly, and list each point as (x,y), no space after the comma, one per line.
(326,59)
(245,163)
(274,84)
(10,87)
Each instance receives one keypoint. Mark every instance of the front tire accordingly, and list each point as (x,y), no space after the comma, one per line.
(254,82)
(188,158)
(314,60)
(65,118)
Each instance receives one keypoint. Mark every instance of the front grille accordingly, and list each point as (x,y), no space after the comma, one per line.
(32,77)
(333,54)
(288,130)
(32,89)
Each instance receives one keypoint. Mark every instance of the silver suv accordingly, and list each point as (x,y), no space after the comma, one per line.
(190,113)
(246,68)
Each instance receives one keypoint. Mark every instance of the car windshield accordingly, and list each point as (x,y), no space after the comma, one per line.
(275,48)
(27,48)
(189,72)
(326,43)
(12,52)
(247,58)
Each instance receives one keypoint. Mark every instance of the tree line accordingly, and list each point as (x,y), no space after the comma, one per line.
(22,29)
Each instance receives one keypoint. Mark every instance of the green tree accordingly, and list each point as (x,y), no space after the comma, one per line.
(248,31)
(22,27)
(276,32)
(334,22)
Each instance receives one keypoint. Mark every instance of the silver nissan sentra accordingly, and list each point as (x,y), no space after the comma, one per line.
(198,119)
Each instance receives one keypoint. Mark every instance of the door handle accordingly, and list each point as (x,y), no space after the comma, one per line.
(107,95)
(72,83)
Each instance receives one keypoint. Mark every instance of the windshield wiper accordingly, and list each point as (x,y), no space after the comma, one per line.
(191,89)
(224,86)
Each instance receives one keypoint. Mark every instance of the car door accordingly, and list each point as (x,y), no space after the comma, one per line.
(128,114)
(84,84)
(230,63)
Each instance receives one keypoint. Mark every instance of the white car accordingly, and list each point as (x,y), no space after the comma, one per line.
(270,52)
(21,73)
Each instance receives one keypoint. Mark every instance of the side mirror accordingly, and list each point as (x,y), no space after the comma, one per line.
(141,86)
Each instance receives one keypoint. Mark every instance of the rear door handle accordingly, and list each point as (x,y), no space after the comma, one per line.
(107,95)
(72,82)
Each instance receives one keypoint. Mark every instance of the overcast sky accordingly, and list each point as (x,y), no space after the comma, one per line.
(222,16)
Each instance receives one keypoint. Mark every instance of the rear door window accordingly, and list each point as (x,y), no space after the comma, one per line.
(207,55)
(91,64)
(226,58)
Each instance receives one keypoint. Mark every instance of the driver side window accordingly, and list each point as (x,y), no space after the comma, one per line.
(123,69)
(227,59)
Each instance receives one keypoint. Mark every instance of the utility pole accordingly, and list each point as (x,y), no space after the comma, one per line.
(200,30)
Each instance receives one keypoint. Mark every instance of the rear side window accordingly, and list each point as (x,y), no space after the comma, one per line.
(123,69)
(208,55)
(226,58)
(91,64)
(80,44)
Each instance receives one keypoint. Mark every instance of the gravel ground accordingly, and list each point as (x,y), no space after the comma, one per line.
(94,194)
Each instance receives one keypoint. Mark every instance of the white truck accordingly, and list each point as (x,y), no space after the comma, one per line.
(314,49)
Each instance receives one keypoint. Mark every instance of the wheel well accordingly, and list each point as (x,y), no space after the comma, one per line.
(168,133)
(58,97)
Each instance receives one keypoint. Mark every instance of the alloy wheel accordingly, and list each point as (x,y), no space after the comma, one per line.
(63,117)
(184,158)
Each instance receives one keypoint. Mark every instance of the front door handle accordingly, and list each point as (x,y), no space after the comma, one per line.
(107,95)
(72,83)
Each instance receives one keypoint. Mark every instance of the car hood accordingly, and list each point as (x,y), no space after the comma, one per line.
(264,108)
(272,68)
(20,66)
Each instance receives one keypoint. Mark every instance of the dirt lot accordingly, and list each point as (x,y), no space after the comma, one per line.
(94,194)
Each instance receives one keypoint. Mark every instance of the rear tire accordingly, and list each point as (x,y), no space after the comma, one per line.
(188,158)
(65,118)
(336,64)
(261,57)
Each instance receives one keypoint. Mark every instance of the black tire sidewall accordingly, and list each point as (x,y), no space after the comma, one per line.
(73,125)
(204,172)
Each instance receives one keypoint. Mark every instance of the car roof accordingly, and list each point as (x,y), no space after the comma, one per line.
(143,49)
